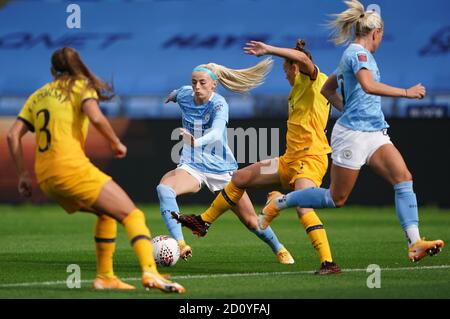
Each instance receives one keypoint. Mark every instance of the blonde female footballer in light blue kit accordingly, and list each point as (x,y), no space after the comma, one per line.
(360,134)
(206,159)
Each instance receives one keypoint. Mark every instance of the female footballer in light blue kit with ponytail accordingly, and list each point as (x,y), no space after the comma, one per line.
(360,134)
(206,158)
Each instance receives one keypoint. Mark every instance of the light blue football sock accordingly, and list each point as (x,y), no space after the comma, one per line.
(313,197)
(407,211)
(168,204)
(406,204)
(268,236)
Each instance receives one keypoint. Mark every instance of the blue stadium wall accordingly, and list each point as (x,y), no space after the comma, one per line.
(150,47)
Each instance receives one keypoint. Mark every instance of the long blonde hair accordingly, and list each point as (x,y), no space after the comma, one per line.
(354,18)
(242,80)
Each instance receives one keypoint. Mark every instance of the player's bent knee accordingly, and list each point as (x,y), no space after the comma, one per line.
(240,179)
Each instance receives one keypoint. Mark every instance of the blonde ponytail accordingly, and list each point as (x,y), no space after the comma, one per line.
(243,80)
(354,18)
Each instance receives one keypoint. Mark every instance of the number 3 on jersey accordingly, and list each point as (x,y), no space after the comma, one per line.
(44,130)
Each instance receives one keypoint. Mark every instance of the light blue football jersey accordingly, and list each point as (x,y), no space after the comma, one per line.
(362,111)
(216,158)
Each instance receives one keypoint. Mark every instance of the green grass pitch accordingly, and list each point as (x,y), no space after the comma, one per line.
(37,243)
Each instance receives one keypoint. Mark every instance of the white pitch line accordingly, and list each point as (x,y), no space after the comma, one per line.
(251,274)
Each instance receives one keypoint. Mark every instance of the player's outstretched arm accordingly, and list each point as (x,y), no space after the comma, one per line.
(92,110)
(370,86)
(329,91)
(171,97)
(15,134)
(258,48)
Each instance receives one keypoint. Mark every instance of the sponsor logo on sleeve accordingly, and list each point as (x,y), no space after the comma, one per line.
(362,57)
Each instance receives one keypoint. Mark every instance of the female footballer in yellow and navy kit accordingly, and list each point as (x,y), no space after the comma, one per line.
(59,114)
(305,161)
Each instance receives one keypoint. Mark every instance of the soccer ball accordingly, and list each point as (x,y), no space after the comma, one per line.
(165,250)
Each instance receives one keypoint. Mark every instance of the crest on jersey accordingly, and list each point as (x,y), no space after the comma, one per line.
(218,107)
(347,154)
(207,117)
(362,57)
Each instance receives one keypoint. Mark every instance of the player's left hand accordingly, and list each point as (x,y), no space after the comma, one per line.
(418,91)
(170,98)
(187,137)
(256,48)
(25,187)
(120,150)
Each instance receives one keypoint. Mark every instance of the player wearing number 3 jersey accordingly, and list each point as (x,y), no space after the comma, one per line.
(59,113)
(61,129)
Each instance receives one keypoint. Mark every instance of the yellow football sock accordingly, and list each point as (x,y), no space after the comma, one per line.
(317,235)
(140,238)
(226,199)
(105,244)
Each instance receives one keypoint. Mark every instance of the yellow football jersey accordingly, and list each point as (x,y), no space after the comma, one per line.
(308,116)
(60,127)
